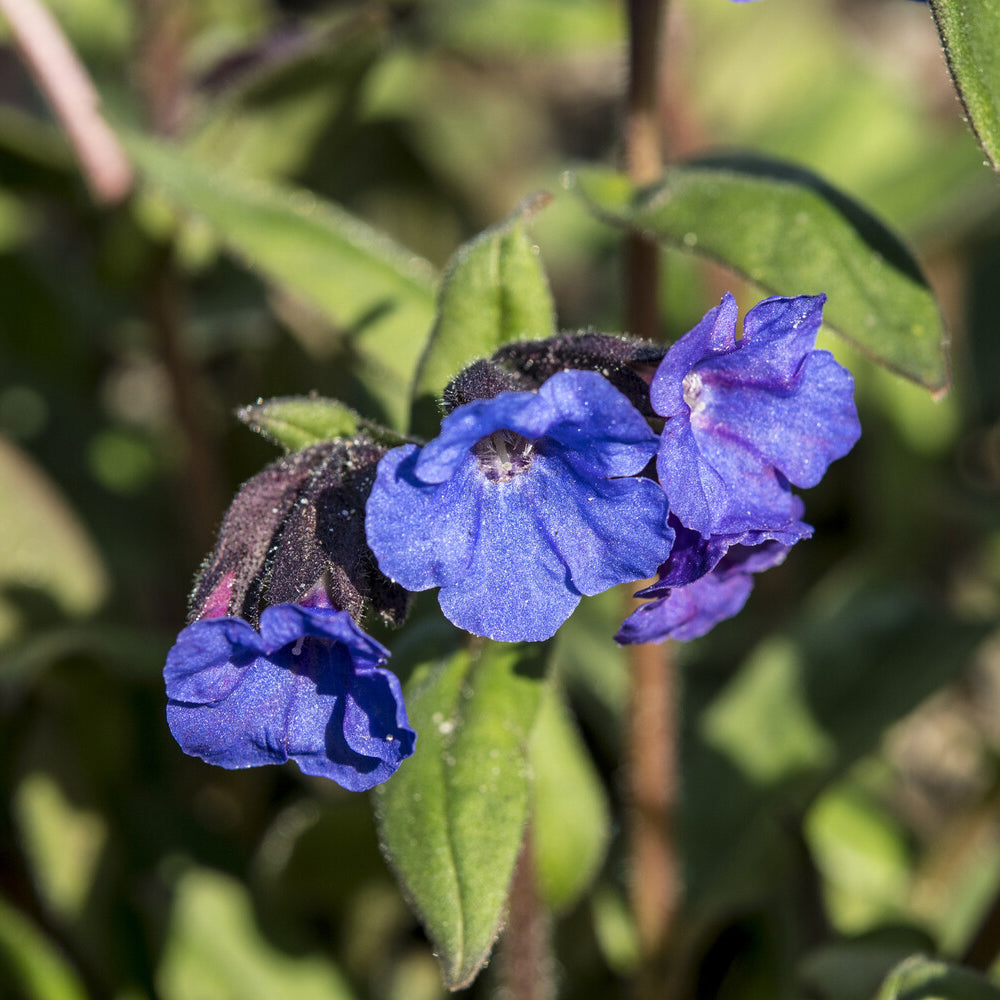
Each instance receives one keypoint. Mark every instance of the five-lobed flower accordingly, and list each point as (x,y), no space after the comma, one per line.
(525,502)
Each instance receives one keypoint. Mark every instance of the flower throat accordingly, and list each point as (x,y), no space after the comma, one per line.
(503,455)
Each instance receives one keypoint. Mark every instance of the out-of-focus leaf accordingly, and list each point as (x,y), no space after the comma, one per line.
(295,422)
(493,292)
(44,549)
(379,297)
(510,27)
(35,964)
(921,978)
(272,100)
(863,856)
(791,233)
(855,968)
(848,670)
(970,33)
(63,843)
(214,950)
(452,819)
(570,815)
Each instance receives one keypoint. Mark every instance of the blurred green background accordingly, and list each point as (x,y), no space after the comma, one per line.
(841,743)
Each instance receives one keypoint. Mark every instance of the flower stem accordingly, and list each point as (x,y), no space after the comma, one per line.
(652,736)
(526,956)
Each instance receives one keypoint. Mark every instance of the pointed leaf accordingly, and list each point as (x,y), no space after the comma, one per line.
(494,291)
(33,962)
(374,292)
(970,33)
(921,978)
(570,816)
(296,422)
(214,950)
(451,820)
(790,233)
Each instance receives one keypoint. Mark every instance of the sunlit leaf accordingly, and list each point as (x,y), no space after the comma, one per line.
(44,549)
(790,233)
(34,962)
(452,819)
(62,841)
(970,33)
(214,950)
(570,819)
(378,297)
(922,978)
(295,422)
(493,292)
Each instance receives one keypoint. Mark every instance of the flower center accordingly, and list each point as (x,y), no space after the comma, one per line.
(503,455)
(692,393)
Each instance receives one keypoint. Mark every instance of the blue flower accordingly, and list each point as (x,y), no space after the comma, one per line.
(308,687)
(523,503)
(747,419)
(703,582)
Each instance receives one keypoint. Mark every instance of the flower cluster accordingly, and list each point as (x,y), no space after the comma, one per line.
(563,467)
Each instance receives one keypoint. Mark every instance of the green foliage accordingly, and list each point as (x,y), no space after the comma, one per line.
(493,292)
(922,978)
(32,962)
(216,952)
(970,33)
(796,235)
(452,820)
(295,422)
(570,825)
(377,298)
(839,740)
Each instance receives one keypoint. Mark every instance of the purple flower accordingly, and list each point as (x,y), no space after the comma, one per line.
(703,582)
(523,503)
(308,687)
(747,418)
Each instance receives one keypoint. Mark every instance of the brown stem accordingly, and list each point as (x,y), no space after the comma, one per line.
(651,739)
(202,502)
(159,51)
(526,955)
(63,80)
(651,762)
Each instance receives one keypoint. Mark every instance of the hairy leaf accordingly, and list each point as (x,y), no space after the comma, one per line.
(790,233)
(970,33)
(451,821)
(494,291)
(295,422)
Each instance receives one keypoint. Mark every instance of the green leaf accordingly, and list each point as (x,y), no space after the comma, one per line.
(452,819)
(790,233)
(921,978)
(295,422)
(570,816)
(214,950)
(970,33)
(63,843)
(43,546)
(376,294)
(494,291)
(33,961)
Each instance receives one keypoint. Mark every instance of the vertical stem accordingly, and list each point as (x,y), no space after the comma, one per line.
(526,956)
(158,68)
(652,737)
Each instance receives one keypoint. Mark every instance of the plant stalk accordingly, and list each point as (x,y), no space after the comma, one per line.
(652,732)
